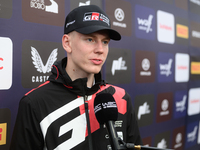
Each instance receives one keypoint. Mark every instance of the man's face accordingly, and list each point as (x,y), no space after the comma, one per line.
(88,52)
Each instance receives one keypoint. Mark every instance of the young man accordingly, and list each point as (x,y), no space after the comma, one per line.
(59,115)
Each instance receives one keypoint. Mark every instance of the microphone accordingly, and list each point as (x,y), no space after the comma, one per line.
(106,112)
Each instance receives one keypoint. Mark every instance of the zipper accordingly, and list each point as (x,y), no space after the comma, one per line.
(88,122)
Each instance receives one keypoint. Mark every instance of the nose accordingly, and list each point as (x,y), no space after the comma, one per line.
(99,47)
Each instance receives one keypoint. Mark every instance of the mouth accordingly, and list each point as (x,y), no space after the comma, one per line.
(97,61)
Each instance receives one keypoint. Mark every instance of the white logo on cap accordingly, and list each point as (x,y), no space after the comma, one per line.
(70,23)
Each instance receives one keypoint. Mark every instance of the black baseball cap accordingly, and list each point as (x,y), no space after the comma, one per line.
(89,19)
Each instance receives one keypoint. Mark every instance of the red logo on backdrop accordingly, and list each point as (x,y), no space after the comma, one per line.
(1,67)
(5,118)
(166,27)
(3,133)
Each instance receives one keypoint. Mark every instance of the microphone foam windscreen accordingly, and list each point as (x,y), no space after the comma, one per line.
(105,108)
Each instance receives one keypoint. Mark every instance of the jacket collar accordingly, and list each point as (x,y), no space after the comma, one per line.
(78,86)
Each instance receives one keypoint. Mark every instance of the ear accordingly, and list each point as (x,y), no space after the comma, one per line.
(66,43)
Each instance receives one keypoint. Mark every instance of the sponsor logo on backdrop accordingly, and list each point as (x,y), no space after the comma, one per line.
(3,133)
(84,4)
(49,12)
(144,105)
(197,2)
(195,68)
(191,134)
(6,9)
(162,140)
(120,16)
(180,104)
(194,6)
(178,138)
(162,144)
(165,27)
(164,107)
(76,3)
(145,66)
(6,63)
(182,31)
(182,4)
(181,67)
(40,4)
(118,66)
(195,34)
(194,101)
(5,117)
(145,22)
(143,109)
(37,60)
(165,67)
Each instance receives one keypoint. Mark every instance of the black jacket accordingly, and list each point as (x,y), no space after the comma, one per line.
(52,116)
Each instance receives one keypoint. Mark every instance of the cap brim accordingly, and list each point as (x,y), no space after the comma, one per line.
(114,35)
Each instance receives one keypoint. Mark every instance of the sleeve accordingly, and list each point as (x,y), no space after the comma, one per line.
(133,133)
(27,134)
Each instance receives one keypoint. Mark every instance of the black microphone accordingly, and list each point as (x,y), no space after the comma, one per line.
(106,112)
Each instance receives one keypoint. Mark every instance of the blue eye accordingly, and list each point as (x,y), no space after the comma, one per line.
(89,39)
(105,42)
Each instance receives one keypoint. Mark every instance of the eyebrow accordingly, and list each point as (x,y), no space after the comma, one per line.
(106,36)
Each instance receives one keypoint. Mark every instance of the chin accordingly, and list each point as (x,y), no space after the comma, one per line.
(95,71)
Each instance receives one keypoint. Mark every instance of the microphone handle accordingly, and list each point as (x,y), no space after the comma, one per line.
(112,135)
(139,147)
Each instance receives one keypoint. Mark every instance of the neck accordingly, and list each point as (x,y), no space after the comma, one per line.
(74,75)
